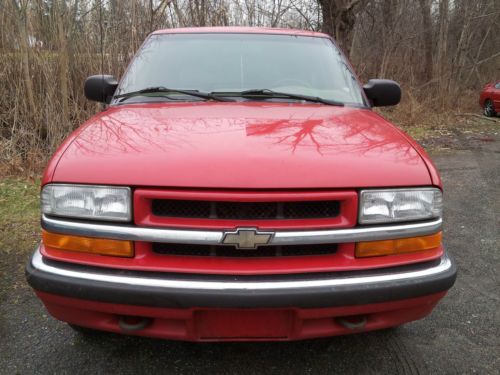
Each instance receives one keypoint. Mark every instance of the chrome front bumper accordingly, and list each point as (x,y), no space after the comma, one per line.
(184,291)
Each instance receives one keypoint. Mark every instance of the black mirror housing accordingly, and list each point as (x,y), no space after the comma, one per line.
(383,92)
(100,88)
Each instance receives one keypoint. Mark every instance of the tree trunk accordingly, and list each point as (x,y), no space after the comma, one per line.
(442,55)
(25,49)
(425,8)
(387,41)
(62,14)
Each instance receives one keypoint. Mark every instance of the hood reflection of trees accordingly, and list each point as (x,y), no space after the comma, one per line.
(335,135)
(134,130)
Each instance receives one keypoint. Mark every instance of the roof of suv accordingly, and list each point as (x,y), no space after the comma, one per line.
(241,30)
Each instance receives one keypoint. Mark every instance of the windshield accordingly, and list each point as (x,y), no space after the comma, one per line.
(228,64)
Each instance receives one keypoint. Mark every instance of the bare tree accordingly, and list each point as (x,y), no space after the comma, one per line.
(339,17)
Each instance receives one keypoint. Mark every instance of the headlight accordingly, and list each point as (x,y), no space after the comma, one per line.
(87,202)
(391,205)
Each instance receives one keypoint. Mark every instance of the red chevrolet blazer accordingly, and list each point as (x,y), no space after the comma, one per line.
(239,186)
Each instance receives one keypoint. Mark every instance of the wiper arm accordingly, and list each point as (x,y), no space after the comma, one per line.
(166,90)
(276,94)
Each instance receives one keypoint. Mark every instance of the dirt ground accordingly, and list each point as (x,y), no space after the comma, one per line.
(461,336)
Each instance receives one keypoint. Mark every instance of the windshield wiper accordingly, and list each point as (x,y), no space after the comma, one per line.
(166,90)
(276,94)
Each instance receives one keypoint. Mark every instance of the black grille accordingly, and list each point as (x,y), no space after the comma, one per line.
(232,252)
(245,210)
(175,208)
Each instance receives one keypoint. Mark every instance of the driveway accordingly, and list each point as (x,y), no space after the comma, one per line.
(461,336)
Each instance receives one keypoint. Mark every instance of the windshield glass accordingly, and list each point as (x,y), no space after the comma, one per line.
(231,63)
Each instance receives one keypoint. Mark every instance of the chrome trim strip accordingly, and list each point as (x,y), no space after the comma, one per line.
(132,233)
(38,263)
(209,237)
(367,233)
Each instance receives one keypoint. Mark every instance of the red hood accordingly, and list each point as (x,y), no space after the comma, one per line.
(245,145)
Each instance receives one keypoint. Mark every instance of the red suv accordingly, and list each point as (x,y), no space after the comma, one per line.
(238,186)
(489,99)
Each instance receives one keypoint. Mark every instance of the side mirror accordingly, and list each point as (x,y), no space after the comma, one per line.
(382,92)
(100,88)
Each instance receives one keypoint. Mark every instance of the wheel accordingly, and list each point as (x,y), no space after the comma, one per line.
(489,109)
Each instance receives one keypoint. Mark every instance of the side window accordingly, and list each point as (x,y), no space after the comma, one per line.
(497,86)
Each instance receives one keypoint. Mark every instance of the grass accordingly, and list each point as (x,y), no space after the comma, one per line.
(439,130)
(19,215)
(19,232)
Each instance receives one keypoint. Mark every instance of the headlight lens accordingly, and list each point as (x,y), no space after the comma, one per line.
(385,206)
(87,202)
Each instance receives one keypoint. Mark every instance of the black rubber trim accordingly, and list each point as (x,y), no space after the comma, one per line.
(185,298)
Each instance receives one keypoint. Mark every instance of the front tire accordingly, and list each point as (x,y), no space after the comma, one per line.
(489,109)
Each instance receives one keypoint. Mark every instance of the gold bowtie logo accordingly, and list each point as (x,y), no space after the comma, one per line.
(246,238)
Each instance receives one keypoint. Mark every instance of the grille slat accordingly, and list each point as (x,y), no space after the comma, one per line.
(232,252)
(245,210)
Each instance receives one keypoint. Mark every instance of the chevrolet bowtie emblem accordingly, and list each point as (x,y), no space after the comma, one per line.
(246,238)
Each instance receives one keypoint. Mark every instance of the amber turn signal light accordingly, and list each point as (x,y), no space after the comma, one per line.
(90,245)
(399,246)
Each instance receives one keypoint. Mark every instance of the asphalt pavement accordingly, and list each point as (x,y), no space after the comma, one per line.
(460,337)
